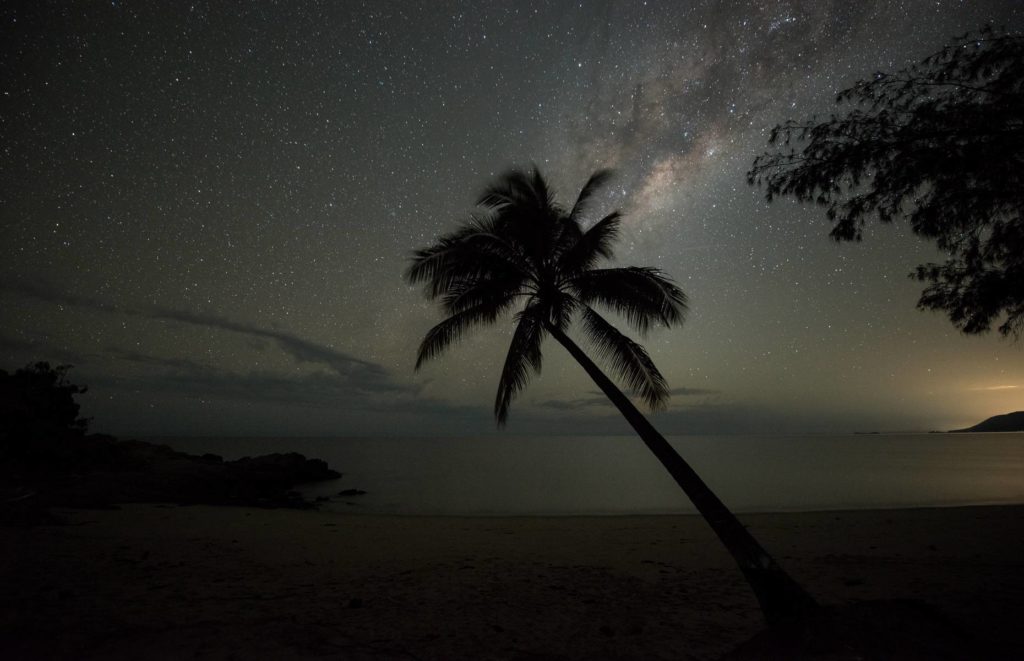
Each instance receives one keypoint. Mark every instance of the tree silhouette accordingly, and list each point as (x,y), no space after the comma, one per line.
(941,143)
(526,254)
(38,400)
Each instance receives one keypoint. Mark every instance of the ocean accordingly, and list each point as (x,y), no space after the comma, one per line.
(611,475)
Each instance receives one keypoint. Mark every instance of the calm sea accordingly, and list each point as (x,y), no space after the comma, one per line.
(617,475)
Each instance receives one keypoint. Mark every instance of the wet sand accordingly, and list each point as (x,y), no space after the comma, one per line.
(150,581)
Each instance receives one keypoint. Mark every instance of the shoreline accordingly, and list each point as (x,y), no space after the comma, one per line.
(160,581)
(355,511)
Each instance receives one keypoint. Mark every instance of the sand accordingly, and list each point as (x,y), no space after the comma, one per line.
(150,581)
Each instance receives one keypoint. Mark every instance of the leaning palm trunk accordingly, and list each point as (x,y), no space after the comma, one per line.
(781,598)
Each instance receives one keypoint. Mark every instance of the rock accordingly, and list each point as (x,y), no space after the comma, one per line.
(295,466)
(99,471)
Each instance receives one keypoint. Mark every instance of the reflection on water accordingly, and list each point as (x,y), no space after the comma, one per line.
(617,475)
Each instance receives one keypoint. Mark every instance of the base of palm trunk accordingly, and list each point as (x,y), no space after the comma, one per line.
(882,629)
(782,599)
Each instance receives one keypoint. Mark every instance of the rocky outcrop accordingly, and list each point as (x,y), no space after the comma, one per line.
(1008,422)
(92,471)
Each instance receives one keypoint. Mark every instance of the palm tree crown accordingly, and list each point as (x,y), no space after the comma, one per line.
(524,252)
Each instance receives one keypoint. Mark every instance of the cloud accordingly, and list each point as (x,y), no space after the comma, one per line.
(154,361)
(41,348)
(8,343)
(702,417)
(316,389)
(301,350)
(692,392)
(574,404)
(598,399)
(43,291)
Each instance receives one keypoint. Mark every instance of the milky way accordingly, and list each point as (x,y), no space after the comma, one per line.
(208,210)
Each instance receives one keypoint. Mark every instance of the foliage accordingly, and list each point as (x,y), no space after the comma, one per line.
(941,143)
(38,400)
(525,254)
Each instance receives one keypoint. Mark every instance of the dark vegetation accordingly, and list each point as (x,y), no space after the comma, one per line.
(47,458)
(38,400)
(940,144)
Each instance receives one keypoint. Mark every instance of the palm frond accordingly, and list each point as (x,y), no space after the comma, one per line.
(524,213)
(596,181)
(627,359)
(511,188)
(642,295)
(475,251)
(591,245)
(427,262)
(491,290)
(543,194)
(449,331)
(523,353)
(563,236)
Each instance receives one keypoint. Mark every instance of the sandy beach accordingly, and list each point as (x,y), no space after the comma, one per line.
(150,581)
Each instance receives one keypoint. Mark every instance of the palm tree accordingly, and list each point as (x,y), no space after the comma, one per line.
(525,253)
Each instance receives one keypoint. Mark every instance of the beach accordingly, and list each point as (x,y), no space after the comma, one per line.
(154,581)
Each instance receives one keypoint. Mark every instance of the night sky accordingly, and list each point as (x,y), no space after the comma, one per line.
(207,210)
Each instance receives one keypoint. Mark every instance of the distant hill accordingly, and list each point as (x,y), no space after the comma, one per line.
(1007,422)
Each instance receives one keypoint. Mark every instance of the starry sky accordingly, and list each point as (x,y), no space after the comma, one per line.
(207,209)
